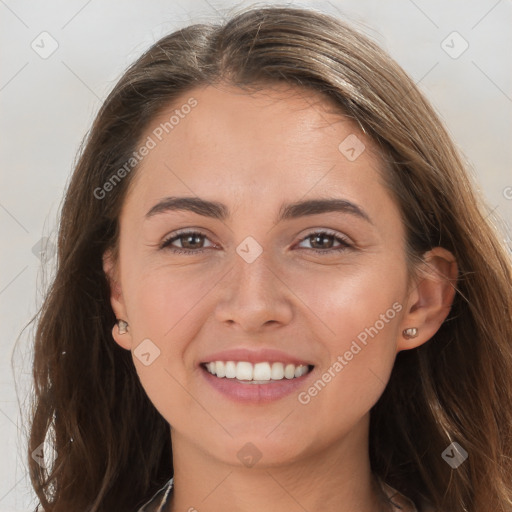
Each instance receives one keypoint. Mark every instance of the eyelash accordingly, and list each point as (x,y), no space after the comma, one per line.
(166,243)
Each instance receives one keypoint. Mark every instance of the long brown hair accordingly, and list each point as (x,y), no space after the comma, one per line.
(113,448)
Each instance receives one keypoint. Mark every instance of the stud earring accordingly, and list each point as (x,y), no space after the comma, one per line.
(409,333)
(122,326)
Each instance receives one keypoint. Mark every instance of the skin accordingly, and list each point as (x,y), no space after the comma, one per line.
(253,152)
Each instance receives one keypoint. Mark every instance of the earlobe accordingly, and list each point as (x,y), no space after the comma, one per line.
(431,299)
(121,335)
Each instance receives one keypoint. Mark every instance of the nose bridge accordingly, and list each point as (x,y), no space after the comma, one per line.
(254,278)
(253,294)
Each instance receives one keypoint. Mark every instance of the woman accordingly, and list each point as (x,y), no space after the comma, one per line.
(194,290)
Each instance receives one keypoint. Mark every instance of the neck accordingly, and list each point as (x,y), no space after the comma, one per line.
(335,478)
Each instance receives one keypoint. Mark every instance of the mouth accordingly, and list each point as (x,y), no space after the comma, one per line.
(258,382)
(264,372)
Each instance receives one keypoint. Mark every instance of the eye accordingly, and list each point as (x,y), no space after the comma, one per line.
(326,238)
(189,240)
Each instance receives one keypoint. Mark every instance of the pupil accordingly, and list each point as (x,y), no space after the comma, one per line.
(190,239)
(320,238)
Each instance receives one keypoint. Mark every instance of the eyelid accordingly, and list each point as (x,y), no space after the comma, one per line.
(326,231)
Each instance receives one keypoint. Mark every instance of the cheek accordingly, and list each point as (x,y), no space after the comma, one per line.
(355,313)
(162,302)
(162,306)
(346,300)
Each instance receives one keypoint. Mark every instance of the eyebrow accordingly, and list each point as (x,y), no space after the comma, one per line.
(287,211)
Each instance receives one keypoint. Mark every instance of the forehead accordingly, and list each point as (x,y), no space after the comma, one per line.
(275,116)
(276,140)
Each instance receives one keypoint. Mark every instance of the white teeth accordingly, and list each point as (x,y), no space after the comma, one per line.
(230,369)
(289,371)
(243,370)
(220,369)
(259,373)
(277,372)
(301,370)
(262,371)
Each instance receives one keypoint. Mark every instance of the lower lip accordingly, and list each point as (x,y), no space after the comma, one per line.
(255,393)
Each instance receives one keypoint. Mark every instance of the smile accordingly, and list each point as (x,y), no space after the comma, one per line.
(258,373)
(256,383)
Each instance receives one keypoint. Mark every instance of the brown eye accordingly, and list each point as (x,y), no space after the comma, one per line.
(191,242)
(323,242)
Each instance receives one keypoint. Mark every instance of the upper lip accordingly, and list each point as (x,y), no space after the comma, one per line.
(260,355)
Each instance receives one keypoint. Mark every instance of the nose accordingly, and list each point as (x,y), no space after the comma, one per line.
(254,296)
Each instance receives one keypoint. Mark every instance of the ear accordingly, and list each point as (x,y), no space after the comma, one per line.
(110,268)
(430,298)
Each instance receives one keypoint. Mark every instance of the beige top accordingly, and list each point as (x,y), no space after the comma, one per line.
(399,502)
(397,499)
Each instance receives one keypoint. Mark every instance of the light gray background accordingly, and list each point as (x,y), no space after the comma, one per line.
(47,105)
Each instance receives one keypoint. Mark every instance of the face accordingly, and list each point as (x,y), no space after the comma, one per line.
(323,285)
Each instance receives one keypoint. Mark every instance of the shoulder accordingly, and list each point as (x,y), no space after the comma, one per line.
(159,499)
